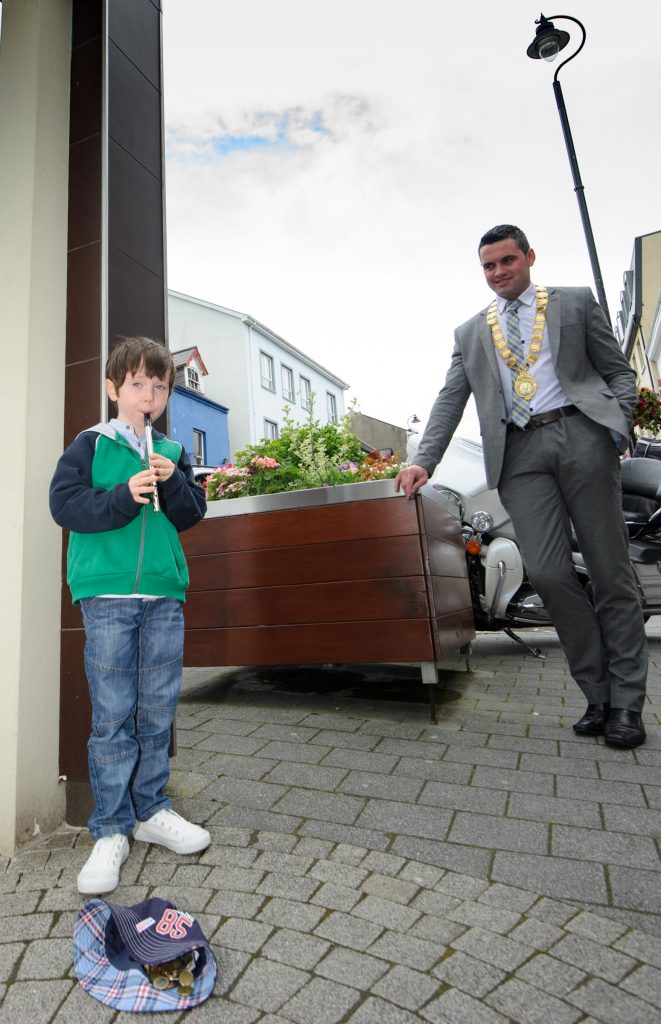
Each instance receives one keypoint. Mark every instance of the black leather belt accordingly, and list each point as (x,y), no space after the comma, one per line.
(543,418)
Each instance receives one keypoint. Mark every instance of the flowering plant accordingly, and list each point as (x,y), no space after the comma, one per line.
(647,410)
(304,455)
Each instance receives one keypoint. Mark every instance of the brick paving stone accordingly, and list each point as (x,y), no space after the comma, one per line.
(19,903)
(307,776)
(499,833)
(383,863)
(612,1006)
(454,1007)
(578,788)
(240,767)
(636,889)
(493,948)
(551,975)
(356,760)
(485,756)
(446,855)
(593,957)
(405,987)
(633,820)
(288,733)
(229,856)
(461,887)
(308,753)
(437,929)
(552,876)
(317,849)
(338,873)
(405,819)
(535,934)
(336,897)
(321,1001)
(348,853)
(345,930)
(437,771)
(468,974)
(554,810)
(377,1011)
(234,878)
(334,722)
(287,887)
(25,928)
(552,911)
(75,1009)
(407,950)
(529,1005)
(226,903)
(267,985)
(291,947)
(645,982)
(514,781)
(284,913)
(499,895)
(362,969)
(231,965)
(246,936)
(396,889)
(465,798)
(480,915)
(596,927)
(254,819)
(352,741)
(388,787)
(246,793)
(223,743)
(10,952)
(45,958)
(386,912)
(33,1001)
(283,863)
(605,847)
(641,946)
(329,807)
(424,875)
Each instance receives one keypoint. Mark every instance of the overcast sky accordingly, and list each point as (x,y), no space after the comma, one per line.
(331,165)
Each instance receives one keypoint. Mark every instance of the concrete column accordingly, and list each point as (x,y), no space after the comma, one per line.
(35,53)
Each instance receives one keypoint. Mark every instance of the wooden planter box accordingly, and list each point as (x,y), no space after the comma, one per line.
(334,575)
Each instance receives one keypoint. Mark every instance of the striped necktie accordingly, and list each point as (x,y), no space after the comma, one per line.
(520,407)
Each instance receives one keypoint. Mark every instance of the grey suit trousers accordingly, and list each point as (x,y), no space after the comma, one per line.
(565,473)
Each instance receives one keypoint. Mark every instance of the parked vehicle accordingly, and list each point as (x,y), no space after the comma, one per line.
(502,596)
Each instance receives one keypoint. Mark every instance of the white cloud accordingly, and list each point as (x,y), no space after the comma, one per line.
(331,166)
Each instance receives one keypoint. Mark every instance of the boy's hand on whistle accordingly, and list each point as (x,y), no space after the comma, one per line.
(142,486)
(163,468)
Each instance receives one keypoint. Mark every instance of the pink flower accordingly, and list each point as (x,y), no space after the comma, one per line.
(264,462)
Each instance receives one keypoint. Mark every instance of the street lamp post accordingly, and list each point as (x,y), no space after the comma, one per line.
(547,44)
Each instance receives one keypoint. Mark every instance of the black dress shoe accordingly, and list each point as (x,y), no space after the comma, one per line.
(593,721)
(624,729)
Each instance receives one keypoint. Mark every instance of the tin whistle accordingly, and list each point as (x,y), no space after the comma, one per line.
(150,451)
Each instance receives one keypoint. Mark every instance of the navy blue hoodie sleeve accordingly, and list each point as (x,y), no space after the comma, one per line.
(181,498)
(75,504)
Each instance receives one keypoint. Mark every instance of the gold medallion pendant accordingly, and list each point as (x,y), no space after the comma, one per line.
(525,385)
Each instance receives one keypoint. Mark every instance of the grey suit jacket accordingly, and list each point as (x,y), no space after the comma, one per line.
(591,368)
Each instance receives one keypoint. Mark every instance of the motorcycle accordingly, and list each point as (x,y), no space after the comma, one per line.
(502,596)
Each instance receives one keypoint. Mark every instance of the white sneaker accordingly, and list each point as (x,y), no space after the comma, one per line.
(101,870)
(169,829)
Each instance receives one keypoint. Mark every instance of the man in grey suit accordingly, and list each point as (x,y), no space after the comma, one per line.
(554,397)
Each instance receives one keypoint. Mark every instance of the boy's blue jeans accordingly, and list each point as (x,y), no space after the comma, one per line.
(133,661)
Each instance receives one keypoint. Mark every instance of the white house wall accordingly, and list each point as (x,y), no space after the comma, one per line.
(221,340)
(230,344)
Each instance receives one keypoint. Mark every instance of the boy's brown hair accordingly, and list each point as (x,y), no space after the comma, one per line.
(133,353)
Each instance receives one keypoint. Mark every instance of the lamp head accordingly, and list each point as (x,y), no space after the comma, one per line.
(548,40)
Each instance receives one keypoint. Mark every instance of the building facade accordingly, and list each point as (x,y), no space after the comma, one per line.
(195,420)
(637,323)
(252,371)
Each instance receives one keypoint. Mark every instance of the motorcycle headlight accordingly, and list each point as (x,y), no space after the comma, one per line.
(482,522)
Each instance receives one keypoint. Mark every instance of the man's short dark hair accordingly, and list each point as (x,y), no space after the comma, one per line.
(503,231)
(132,353)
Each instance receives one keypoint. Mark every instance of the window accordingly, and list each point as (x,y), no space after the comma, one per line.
(306,393)
(270,430)
(331,407)
(267,370)
(193,379)
(288,384)
(199,447)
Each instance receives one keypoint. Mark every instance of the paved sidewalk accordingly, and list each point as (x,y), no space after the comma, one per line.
(367,866)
